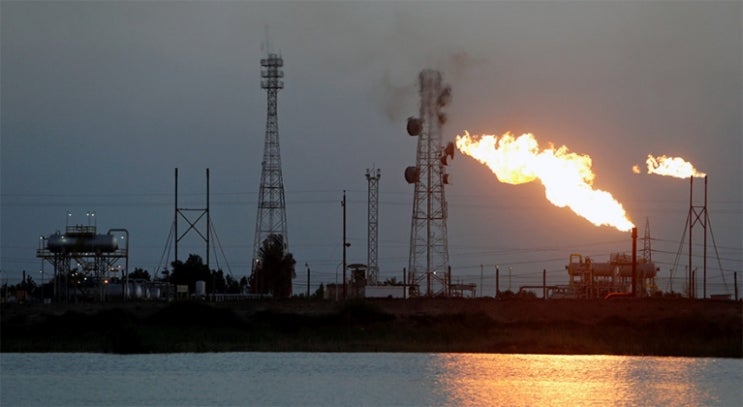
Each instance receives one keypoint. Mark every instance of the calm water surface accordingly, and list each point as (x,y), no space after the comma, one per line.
(39,379)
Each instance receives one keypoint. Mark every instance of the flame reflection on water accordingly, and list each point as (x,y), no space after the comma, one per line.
(530,380)
(358,379)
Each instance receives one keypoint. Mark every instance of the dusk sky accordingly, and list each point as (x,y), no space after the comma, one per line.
(101,101)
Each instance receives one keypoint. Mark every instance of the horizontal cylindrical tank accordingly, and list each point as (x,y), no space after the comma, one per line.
(648,270)
(81,244)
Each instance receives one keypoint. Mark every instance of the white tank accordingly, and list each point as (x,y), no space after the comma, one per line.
(201,288)
(57,243)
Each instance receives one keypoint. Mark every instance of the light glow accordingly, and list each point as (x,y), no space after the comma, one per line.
(672,167)
(566,176)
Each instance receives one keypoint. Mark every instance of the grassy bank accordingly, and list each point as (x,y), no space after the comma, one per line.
(624,327)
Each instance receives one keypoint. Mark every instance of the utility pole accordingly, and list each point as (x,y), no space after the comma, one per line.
(482,287)
(345,244)
(634,262)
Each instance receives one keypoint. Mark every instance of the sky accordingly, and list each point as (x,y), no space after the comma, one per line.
(101,101)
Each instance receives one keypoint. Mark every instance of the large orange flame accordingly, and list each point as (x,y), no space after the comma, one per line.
(566,176)
(672,166)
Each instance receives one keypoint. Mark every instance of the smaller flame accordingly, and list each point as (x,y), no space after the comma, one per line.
(672,166)
(636,169)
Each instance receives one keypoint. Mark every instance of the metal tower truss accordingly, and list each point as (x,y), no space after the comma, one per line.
(271,218)
(698,215)
(647,252)
(197,221)
(429,272)
(193,217)
(373,223)
(83,261)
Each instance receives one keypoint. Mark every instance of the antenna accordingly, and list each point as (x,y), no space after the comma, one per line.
(372,177)
(266,45)
(647,252)
(429,249)
(271,217)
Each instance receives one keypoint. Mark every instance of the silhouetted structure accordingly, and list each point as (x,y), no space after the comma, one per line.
(429,252)
(83,261)
(372,271)
(271,217)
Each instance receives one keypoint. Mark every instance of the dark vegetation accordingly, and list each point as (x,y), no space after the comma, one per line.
(625,327)
(274,271)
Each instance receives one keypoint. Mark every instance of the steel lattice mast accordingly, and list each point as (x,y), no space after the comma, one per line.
(271,219)
(647,251)
(429,253)
(372,270)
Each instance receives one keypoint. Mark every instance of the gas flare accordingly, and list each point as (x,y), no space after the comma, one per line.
(566,176)
(672,166)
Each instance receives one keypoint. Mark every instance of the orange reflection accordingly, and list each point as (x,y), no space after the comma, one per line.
(569,380)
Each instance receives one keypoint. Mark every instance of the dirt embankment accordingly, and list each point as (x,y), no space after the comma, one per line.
(623,326)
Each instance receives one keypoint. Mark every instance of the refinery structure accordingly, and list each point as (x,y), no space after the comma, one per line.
(84,260)
(95,266)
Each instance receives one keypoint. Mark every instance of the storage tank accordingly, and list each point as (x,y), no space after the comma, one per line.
(154,292)
(58,243)
(201,288)
(137,290)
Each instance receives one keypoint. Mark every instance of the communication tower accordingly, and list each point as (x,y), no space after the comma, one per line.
(271,218)
(372,270)
(647,252)
(429,272)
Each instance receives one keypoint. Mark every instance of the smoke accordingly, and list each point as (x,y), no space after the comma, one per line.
(398,99)
(458,65)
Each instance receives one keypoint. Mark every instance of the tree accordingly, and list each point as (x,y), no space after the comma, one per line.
(275,270)
(190,272)
(219,283)
(320,292)
(139,273)
(231,285)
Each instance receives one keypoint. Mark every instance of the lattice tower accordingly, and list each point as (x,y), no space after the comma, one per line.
(271,218)
(429,253)
(372,270)
(647,253)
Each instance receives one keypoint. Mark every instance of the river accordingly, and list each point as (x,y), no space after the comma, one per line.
(374,379)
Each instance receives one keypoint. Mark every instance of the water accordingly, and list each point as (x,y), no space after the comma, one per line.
(42,379)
